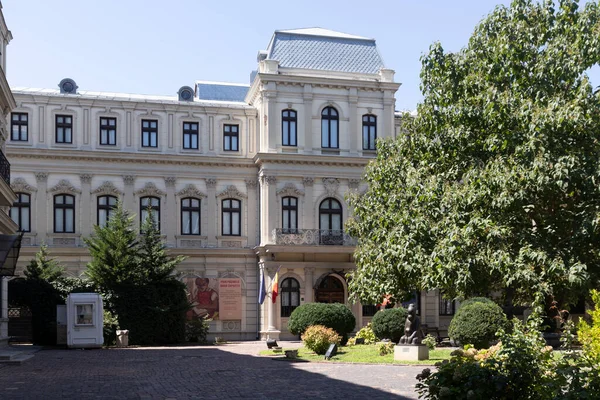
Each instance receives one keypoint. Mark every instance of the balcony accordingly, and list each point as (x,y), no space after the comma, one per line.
(4,168)
(312,237)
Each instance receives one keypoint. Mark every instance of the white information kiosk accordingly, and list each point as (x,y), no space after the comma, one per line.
(85,320)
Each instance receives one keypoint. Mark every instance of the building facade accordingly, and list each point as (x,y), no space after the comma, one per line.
(247,181)
(9,241)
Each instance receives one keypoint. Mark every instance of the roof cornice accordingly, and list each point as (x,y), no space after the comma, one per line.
(286,158)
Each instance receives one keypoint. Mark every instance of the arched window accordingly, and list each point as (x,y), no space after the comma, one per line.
(330,290)
(20,212)
(329,128)
(151,204)
(190,216)
(289,217)
(290,296)
(289,122)
(369,125)
(64,213)
(232,217)
(106,208)
(330,222)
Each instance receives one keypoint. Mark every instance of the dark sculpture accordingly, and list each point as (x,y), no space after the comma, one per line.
(412,328)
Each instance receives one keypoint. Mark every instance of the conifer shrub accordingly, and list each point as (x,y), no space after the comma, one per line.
(389,323)
(335,316)
(476,323)
(318,338)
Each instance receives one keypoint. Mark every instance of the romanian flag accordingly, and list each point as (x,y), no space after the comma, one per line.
(275,288)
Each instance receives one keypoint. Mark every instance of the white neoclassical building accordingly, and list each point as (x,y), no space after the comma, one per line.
(245,180)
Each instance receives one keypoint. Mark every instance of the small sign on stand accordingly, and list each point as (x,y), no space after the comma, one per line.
(331,351)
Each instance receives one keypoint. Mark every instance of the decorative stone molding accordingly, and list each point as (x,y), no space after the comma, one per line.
(86,178)
(251,183)
(308,182)
(211,182)
(20,185)
(232,191)
(129,179)
(353,183)
(150,189)
(290,190)
(170,181)
(269,180)
(231,326)
(63,241)
(196,244)
(309,270)
(233,244)
(331,185)
(107,187)
(64,186)
(41,176)
(190,190)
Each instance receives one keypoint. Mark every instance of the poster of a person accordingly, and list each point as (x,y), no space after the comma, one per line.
(204,298)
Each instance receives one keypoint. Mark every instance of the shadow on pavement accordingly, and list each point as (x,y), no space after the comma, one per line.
(196,373)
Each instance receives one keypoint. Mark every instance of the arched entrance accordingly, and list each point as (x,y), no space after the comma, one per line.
(330,290)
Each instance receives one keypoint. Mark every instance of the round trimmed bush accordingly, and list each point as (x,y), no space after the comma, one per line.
(476,323)
(476,300)
(389,323)
(335,316)
(318,338)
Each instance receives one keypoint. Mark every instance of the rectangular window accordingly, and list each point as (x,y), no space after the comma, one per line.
(85,314)
(108,131)
(19,123)
(64,213)
(447,307)
(289,122)
(231,217)
(289,208)
(64,129)
(20,212)
(149,133)
(190,216)
(231,138)
(190,135)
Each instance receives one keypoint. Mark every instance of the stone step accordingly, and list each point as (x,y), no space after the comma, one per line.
(15,359)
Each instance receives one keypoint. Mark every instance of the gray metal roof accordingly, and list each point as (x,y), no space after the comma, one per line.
(219,91)
(321,49)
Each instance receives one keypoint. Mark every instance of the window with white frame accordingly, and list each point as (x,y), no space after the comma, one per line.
(329,128)
(190,216)
(106,208)
(20,212)
(64,213)
(149,133)
(231,212)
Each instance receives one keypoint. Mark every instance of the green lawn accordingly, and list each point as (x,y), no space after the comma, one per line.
(364,354)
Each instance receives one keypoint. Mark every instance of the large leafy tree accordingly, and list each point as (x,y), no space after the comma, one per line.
(496,185)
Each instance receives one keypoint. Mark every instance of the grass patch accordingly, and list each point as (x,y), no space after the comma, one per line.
(365,354)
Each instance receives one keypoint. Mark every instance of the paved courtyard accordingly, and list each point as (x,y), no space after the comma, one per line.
(232,371)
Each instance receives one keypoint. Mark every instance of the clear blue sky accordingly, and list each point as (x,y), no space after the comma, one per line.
(155,47)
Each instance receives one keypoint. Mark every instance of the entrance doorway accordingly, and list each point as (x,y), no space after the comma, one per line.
(330,290)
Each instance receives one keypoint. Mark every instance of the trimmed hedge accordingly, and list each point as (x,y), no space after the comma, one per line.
(389,323)
(335,316)
(476,323)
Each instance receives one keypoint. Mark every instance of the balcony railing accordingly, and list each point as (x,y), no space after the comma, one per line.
(4,168)
(312,237)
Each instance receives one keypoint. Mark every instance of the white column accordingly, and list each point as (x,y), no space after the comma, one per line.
(86,205)
(309,218)
(308,133)
(353,135)
(272,331)
(171,221)
(388,114)
(128,205)
(269,207)
(41,206)
(252,217)
(213,218)
(308,282)
(270,98)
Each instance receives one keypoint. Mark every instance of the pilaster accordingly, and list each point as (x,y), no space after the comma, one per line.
(269,211)
(129,181)
(353,135)
(41,206)
(213,218)
(308,134)
(308,289)
(309,217)
(253,213)
(171,223)
(86,205)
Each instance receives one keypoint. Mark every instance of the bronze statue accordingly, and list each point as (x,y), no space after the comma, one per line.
(412,328)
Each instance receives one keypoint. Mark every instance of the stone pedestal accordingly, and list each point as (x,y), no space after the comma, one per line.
(411,353)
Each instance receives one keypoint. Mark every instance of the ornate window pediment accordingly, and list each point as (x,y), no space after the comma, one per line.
(108,188)
(64,186)
(290,190)
(150,189)
(232,191)
(20,185)
(190,190)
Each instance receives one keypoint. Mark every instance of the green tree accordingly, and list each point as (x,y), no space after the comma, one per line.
(496,185)
(43,267)
(113,249)
(154,264)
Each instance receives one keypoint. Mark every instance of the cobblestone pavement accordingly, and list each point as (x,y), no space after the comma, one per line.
(232,371)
